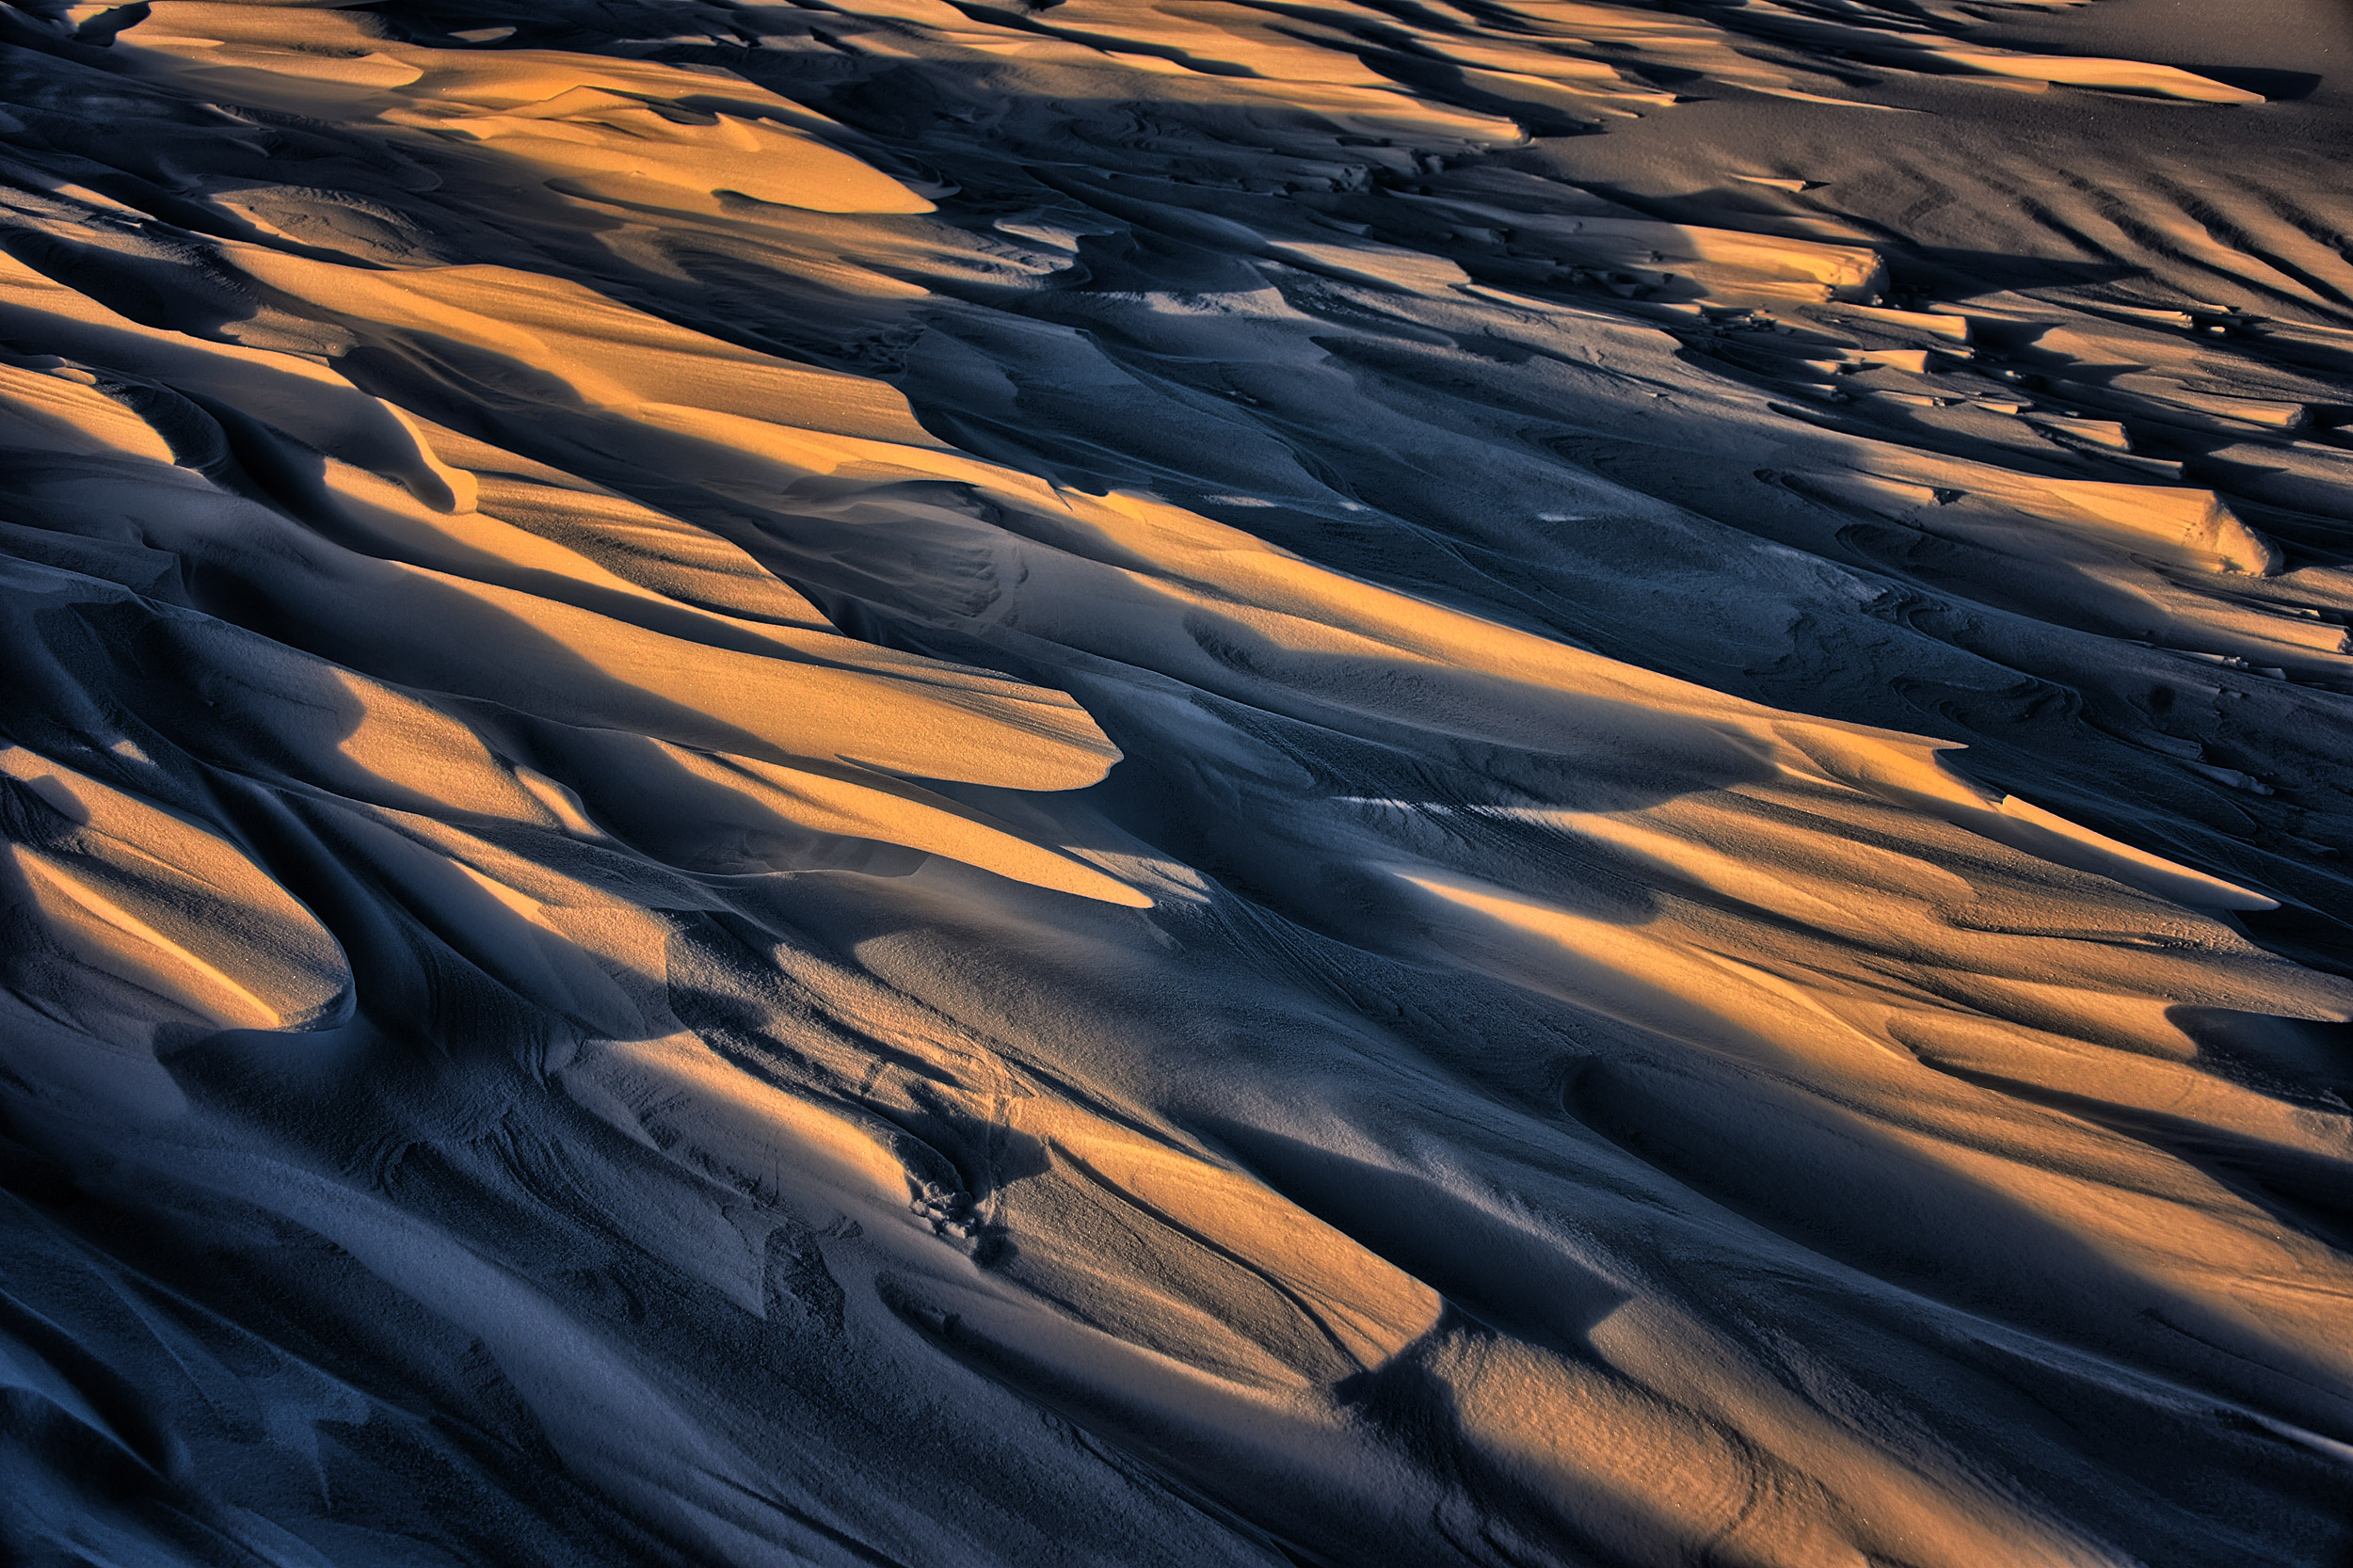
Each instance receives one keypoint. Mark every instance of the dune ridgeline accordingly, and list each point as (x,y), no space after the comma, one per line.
(1348,782)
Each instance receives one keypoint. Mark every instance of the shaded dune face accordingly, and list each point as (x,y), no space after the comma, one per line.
(1174,783)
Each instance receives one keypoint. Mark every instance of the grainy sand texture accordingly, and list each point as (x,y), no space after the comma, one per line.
(1364,783)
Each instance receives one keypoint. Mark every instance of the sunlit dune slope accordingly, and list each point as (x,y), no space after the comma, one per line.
(1175,782)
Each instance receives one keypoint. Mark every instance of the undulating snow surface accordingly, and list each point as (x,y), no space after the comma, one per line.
(1175,782)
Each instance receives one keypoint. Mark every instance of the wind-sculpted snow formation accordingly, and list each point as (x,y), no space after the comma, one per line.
(1174,782)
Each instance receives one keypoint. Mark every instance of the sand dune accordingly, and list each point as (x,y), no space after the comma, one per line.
(1160,782)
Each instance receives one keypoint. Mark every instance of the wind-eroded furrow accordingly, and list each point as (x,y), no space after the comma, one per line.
(901,782)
